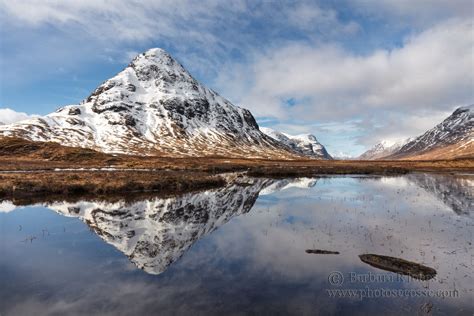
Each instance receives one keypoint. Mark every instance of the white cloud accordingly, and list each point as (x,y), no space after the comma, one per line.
(208,21)
(306,16)
(201,33)
(419,82)
(394,127)
(8,116)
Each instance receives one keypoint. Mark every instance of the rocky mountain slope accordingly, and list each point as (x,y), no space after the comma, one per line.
(383,149)
(455,132)
(306,144)
(154,107)
(452,138)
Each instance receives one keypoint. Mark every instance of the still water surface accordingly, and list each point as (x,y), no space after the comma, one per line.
(242,249)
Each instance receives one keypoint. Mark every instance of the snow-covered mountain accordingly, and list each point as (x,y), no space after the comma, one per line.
(342,155)
(452,138)
(383,149)
(455,132)
(153,107)
(306,144)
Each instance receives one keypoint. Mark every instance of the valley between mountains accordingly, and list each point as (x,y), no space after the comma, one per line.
(153,127)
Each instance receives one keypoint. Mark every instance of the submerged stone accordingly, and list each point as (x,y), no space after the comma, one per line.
(400,266)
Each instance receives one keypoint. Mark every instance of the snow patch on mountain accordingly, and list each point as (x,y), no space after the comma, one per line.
(306,144)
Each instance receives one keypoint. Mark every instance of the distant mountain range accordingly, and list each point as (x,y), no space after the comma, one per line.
(452,138)
(306,144)
(155,107)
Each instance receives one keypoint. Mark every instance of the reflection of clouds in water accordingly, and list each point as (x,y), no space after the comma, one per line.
(260,253)
(7,206)
(113,297)
(395,181)
(401,221)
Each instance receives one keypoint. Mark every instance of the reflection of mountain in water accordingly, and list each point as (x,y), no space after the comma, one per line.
(155,233)
(289,183)
(456,191)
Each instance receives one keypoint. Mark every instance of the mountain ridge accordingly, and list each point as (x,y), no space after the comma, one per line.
(452,138)
(456,129)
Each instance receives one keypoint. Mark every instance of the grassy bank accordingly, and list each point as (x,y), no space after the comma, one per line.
(168,175)
(16,185)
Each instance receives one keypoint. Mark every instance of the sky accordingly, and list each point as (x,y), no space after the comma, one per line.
(351,72)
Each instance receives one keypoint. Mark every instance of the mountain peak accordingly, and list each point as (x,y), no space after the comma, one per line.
(156,51)
(157,64)
(462,109)
(154,56)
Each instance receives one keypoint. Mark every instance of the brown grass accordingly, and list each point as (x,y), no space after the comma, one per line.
(169,174)
(463,149)
(103,183)
(20,154)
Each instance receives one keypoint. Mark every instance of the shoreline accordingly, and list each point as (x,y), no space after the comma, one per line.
(39,168)
(71,183)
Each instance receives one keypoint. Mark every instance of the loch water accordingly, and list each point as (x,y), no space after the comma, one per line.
(255,246)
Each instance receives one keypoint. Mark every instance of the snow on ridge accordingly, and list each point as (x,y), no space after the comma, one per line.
(467,107)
